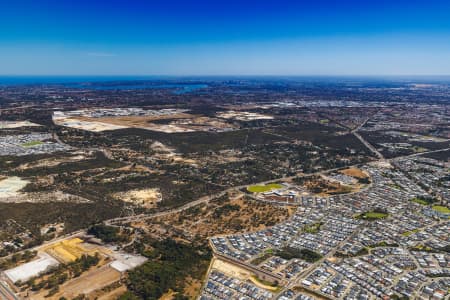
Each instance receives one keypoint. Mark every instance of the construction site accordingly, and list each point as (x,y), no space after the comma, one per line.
(60,259)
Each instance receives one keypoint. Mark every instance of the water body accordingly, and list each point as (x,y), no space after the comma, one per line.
(178,87)
(103,83)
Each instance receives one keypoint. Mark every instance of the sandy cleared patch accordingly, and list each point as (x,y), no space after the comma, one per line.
(10,186)
(180,159)
(243,115)
(135,121)
(160,147)
(204,124)
(168,296)
(147,198)
(57,196)
(192,288)
(139,168)
(231,270)
(86,125)
(16,124)
(167,153)
(180,122)
(381,164)
(101,125)
(50,162)
(354,172)
(167,128)
(173,120)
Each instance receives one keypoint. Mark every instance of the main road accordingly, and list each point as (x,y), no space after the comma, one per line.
(206,199)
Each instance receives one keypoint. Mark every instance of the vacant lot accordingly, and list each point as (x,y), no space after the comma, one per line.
(231,270)
(321,186)
(147,198)
(372,215)
(85,284)
(354,172)
(226,216)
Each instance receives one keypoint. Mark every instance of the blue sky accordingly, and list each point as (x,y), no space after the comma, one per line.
(118,37)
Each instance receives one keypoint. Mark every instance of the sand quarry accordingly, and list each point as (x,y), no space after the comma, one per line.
(176,122)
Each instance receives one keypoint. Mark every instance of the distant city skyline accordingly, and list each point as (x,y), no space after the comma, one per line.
(185,38)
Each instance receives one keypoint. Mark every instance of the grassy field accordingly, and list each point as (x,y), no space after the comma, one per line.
(420,201)
(264,188)
(371,215)
(441,209)
(32,143)
(375,215)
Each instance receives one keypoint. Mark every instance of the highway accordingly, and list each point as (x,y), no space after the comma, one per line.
(366,143)
(369,146)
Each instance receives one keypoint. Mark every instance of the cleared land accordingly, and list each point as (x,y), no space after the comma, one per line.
(371,215)
(221,217)
(85,284)
(10,186)
(354,172)
(147,198)
(16,124)
(167,123)
(231,270)
(51,162)
(243,116)
(135,121)
(86,125)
